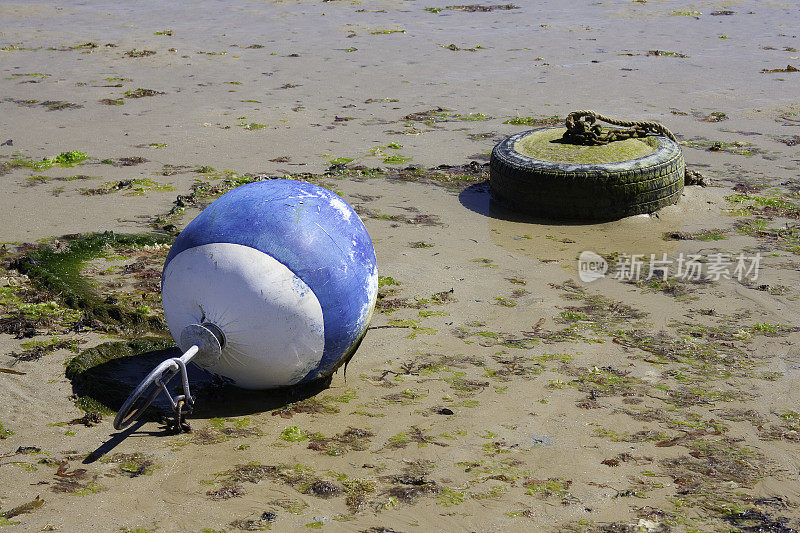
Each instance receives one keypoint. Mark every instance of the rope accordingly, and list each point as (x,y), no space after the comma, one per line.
(582,129)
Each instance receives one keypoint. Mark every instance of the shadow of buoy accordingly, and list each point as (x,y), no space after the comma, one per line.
(108,373)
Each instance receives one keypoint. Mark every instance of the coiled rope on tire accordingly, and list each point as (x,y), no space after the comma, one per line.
(582,128)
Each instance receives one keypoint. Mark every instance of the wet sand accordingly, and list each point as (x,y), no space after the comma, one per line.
(603,406)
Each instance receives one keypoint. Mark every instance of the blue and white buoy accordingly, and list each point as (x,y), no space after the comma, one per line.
(274,283)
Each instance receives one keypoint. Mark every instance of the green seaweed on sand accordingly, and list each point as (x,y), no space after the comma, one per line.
(230,483)
(309,405)
(387,31)
(135,187)
(665,53)
(24,310)
(536,122)
(217,432)
(25,508)
(131,464)
(58,272)
(605,381)
(293,434)
(416,329)
(715,479)
(546,488)
(139,53)
(504,302)
(141,93)
(16,48)
(715,234)
(732,147)
(34,350)
(64,159)
(252,126)
(352,439)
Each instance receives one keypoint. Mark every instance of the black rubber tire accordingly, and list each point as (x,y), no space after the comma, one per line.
(563,191)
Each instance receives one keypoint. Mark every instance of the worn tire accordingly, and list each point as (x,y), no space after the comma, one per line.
(607,191)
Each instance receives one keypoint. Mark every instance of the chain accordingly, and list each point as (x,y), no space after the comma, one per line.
(583,129)
(180,425)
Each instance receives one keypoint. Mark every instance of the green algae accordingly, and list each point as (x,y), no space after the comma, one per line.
(396,159)
(352,439)
(450,497)
(140,93)
(386,281)
(416,329)
(47,313)
(58,272)
(733,147)
(309,405)
(293,434)
(131,464)
(64,159)
(572,316)
(34,350)
(504,302)
(546,146)
(536,122)
(386,31)
(605,381)
(546,488)
(138,53)
(252,125)
(134,187)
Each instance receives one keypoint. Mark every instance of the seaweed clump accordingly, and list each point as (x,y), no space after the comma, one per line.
(56,270)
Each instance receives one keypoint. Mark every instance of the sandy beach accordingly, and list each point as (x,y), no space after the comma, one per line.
(497,391)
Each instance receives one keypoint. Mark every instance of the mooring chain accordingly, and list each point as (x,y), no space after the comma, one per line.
(582,128)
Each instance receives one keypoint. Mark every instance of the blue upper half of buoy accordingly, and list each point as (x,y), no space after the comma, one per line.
(301,238)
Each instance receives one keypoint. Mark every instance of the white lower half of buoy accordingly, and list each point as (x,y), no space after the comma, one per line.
(250,297)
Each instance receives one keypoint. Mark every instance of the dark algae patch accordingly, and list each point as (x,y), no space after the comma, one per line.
(139,53)
(141,93)
(110,351)
(98,373)
(473,8)
(131,464)
(25,508)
